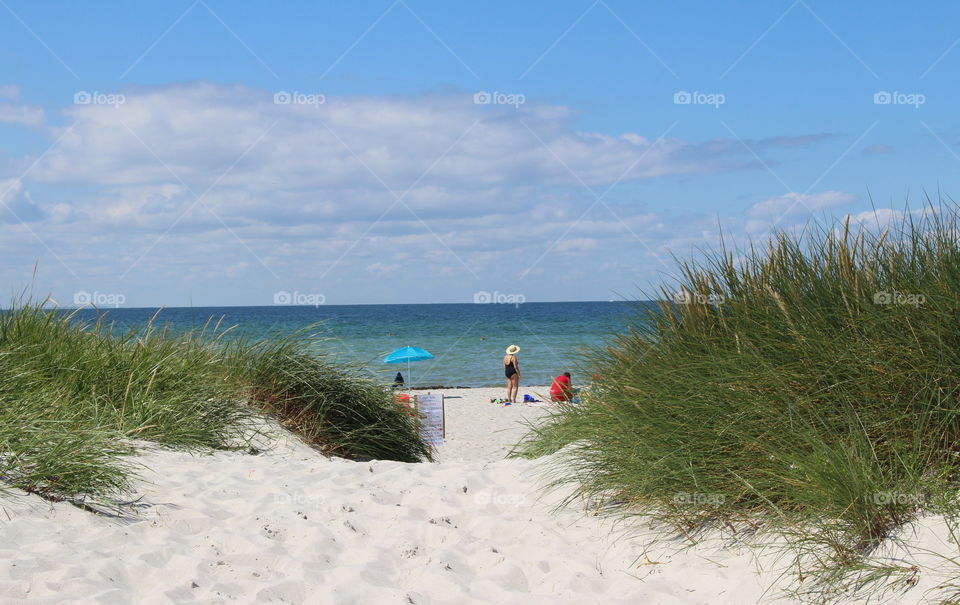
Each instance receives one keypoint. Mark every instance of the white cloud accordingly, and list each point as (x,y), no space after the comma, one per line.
(14,112)
(10,188)
(26,115)
(350,150)
(298,194)
(781,210)
(16,204)
(881,218)
(10,92)
(796,203)
(382,269)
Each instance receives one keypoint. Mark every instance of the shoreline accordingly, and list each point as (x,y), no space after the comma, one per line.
(468,340)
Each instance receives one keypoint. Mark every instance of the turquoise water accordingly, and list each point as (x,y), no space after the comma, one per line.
(467,340)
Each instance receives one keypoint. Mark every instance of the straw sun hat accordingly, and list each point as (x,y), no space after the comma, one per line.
(513,349)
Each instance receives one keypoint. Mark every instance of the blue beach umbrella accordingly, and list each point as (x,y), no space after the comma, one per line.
(407,355)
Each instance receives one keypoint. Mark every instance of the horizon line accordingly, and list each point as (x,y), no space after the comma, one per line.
(278,306)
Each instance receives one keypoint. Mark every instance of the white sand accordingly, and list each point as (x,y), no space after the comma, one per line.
(482,431)
(290,526)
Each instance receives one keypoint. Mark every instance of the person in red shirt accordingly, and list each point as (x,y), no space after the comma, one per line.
(561,389)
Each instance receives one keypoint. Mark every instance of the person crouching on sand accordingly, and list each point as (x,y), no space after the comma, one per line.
(511,369)
(561,389)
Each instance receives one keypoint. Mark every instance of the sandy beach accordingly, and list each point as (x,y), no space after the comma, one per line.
(235,234)
(291,526)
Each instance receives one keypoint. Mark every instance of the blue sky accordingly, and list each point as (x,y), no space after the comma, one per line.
(149,154)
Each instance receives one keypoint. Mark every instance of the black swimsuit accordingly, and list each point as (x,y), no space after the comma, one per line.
(509,369)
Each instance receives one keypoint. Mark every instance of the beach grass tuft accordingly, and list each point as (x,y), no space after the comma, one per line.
(328,407)
(75,398)
(809,385)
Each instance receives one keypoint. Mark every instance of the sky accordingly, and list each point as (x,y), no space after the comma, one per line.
(213,152)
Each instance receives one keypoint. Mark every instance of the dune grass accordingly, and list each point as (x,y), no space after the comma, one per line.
(337,411)
(810,385)
(74,398)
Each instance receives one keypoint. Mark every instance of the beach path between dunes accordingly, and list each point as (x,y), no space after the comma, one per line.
(291,526)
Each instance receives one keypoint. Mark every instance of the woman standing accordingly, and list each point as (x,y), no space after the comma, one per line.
(511,369)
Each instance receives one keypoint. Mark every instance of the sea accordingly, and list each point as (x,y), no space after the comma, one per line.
(467,340)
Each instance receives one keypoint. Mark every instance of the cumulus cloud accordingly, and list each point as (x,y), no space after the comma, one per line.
(776,210)
(196,132)
(218,184)
(12,111)
(343,158)
(17,205)
(880,218)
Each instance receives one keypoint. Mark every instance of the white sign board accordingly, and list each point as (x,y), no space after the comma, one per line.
(432,422)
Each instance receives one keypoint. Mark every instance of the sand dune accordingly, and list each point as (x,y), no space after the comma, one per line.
(291,526)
